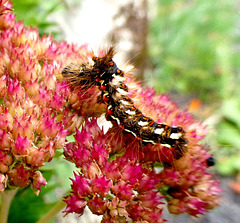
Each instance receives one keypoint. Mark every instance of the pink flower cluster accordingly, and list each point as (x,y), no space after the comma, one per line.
(34,116)
(133,185)
(118,188)
(118,177)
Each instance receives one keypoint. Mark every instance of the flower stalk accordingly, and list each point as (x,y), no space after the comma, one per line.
(6,198)
(53,212)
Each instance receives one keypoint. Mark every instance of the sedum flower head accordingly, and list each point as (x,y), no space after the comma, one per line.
(119,188)
(36,113)
(129,186)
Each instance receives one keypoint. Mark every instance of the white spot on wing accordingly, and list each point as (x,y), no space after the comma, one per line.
(125,102)
(166,145)
(130,112)
(142,123)
(116,80)
(119,78)
(121,91)
(175,135)
(158,131)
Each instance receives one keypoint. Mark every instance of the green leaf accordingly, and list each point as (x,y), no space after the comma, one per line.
(26,207)
(229,134)
(231,110)
(229,165)
(191,48)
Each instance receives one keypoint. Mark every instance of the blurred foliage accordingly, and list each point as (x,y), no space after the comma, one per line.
(188,42)
(228,137)
(194,50)
(35,13)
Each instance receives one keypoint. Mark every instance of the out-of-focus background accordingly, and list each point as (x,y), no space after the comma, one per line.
(188,49)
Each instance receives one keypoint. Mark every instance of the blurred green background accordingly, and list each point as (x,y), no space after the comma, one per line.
(192,54)
(35,13)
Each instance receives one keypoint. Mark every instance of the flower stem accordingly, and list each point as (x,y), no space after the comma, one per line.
(58,207)
(6,199)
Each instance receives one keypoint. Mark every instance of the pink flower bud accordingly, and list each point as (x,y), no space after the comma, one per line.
(48,127)
(15,90)
(21,147)
(101,185)
(60,139)
(132,174)
(75,205)
(5,6)
(123,190)
(24,127)
(35,158)
(3,83)
(6,161)
(31,87)
(57,103)
(19,176)
(97,205)
(91,170)
(50,80)
(6,120)
(3,182)
(5,140)
(42,98)
(15,108)
(85,188)
(28,69)
(37,181)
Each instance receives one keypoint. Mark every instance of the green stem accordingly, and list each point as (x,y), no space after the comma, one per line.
(6,199)
(58,207)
